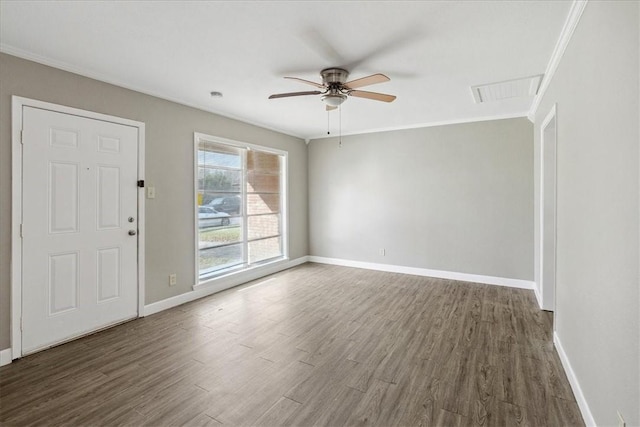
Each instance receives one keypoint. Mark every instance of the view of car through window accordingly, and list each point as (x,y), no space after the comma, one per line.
(209,217)
(229,204)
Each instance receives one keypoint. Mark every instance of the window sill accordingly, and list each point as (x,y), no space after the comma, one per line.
(238,277)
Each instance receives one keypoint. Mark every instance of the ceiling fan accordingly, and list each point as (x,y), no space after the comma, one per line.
(336,89)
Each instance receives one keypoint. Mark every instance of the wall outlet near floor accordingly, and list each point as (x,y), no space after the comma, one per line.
(382,252)
(621,422)
(173,279)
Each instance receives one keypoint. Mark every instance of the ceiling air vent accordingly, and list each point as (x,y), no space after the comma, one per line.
(517,88)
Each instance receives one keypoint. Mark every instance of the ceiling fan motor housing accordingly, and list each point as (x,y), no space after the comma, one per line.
(334,75)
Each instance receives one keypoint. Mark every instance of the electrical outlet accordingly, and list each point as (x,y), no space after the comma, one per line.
(173,279)
(151,192)
(621,422)
(382,252)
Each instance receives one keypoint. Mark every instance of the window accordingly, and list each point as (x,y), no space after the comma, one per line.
(240,194)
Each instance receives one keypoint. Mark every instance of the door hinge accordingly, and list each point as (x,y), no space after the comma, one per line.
(21,136)
(21,233)
(21,325)
(141,183)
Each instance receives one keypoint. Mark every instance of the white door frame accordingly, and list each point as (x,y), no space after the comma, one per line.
(547,290)
(17,104)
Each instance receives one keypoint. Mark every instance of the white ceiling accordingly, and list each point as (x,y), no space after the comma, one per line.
(433,51)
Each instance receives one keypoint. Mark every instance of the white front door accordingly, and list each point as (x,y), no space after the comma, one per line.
(79,219)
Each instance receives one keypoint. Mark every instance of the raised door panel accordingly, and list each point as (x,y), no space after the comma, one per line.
(63,203)
(63,282)
(108,197)
(108,263)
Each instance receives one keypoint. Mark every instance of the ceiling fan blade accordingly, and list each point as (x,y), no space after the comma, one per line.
(366,81)
(320,85)
(285,95)
(372,95)
(331,107)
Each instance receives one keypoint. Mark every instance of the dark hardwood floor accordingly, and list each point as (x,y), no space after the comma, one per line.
(313,345)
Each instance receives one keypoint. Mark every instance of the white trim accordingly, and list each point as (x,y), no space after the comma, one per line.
(429,124)
(5,357)
(236,143)
(17,104)
(537,294)
(573,18)
(141,220)
(284,203)
(194,232)
(547,302)
(573,381)
(20,53)
(463,277)
(222,283)
(16,220)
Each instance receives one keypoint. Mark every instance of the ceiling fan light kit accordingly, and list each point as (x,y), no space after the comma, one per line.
(333,100)
(337,89)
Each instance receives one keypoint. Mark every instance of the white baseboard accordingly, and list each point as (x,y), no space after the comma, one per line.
(575,385)
(222,283)
(536,291)
(5,356)
(463,277)
(226,282)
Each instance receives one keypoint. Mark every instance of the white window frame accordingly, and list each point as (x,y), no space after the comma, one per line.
(284,209)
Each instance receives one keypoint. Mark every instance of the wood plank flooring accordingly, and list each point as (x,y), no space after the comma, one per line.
(313,345)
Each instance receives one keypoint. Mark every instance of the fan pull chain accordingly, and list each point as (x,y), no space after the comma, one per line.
(340,127)
(328,127)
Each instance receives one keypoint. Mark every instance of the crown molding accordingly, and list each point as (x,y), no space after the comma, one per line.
(430,124)
(570,25)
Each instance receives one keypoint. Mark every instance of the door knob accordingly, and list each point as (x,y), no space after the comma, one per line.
(132,232)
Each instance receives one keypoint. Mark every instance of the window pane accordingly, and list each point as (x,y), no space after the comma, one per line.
(262,183)
(214,182)
(263,203)
(263,226)
(260,250)
(220,235)
(214,259)
(228,203)
(222,180)
(218,155)
(263,162)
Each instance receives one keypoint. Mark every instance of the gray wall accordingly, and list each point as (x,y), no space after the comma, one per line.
(596,89)
(169,166)
(455,198)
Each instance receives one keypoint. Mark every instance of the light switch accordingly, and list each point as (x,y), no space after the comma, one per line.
(151,192)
